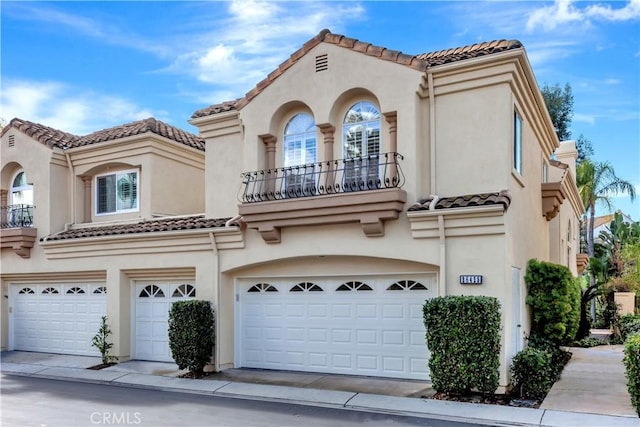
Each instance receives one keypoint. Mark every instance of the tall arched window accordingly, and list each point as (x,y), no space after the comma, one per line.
(21,190)
(300,141)
(20,212)
(361,147)
(361,130)
(300,155)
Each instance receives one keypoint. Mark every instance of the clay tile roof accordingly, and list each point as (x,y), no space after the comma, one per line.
(152,226)
(216,109)
(467,52)
(140,127)
(56,138)
(558,164)
(46,135)
(417,62)
(485,199)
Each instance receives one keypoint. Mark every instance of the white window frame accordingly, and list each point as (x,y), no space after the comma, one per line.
(116,210)
(304,141)
(376,122)
(517,142)
(25,189)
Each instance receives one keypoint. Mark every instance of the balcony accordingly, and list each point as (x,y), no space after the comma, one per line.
(16,229)
(361,189)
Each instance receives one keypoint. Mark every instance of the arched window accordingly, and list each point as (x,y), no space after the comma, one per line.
(361,130)
(300,141)
(361,147)
(20,212)
(21,190)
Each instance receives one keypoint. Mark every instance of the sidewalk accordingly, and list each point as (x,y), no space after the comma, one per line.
(593,382)
(308,391)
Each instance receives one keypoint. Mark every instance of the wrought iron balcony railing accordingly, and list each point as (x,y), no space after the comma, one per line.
(16,216)
(368,173)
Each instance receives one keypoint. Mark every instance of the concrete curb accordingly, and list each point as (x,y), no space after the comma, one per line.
(405,406)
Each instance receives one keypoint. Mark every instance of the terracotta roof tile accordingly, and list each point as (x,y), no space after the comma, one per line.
(140,127)
(418,62)
(485,199)
(558,164)
(216,109)
(152,226)
(467,52)
(46,135)
(56,138)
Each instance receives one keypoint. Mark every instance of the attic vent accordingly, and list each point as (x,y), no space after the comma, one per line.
(12,140)
(322,62)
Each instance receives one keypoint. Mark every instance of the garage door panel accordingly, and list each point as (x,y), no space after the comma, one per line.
(48,318)
(152,303)
(377,332)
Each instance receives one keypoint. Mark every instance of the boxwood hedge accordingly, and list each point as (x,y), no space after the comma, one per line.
(191,334)
(463,336)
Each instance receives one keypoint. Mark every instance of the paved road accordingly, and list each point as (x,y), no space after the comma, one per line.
(49,403)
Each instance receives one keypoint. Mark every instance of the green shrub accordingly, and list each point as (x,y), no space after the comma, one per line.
(589,342)
(463,336)
(191,334)
(629,325)
(632,365)
(100,341)
(532,373)
(554,297)
(559,357)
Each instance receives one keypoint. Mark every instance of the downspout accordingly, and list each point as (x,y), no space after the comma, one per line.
(216,263)
(442,283)
(73,189)
(432,132)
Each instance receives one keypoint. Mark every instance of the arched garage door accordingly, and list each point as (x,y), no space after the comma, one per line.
(152,304)
(57,318)
(355,326)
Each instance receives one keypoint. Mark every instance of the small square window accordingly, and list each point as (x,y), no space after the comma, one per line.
(117,192)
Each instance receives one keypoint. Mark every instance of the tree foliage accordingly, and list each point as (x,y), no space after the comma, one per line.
(559,102)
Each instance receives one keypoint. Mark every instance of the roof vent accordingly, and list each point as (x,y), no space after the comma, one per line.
(322,62)
(12,140)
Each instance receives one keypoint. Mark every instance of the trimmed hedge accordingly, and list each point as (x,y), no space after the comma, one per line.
(191,334)
(629,325)
(554,297)
(463,336)
(632,365)
(532,373)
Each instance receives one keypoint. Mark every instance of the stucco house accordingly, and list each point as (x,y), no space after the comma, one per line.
(350,185)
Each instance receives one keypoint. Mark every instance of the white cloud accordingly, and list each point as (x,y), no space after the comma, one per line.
(564,12)
(66,108)
(64,21)
(253,39)
(584,118)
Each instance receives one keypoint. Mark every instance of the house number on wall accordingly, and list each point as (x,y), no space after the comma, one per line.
(471,279)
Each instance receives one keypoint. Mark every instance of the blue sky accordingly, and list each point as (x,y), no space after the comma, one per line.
(84,66)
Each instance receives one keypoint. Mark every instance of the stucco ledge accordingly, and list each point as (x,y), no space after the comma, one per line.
(21,240)
(370,208)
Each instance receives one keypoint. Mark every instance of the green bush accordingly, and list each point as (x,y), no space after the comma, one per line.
(559,357)
(191,334)
(101,342)
(632,365)
(463,336)
(589,342)
(532,373)
(554,298)
(629,325)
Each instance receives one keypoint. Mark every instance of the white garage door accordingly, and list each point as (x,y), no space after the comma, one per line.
(356,326)
(152,305)
(57,318)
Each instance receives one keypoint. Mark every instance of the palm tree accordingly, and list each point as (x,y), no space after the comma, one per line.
(597,183)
